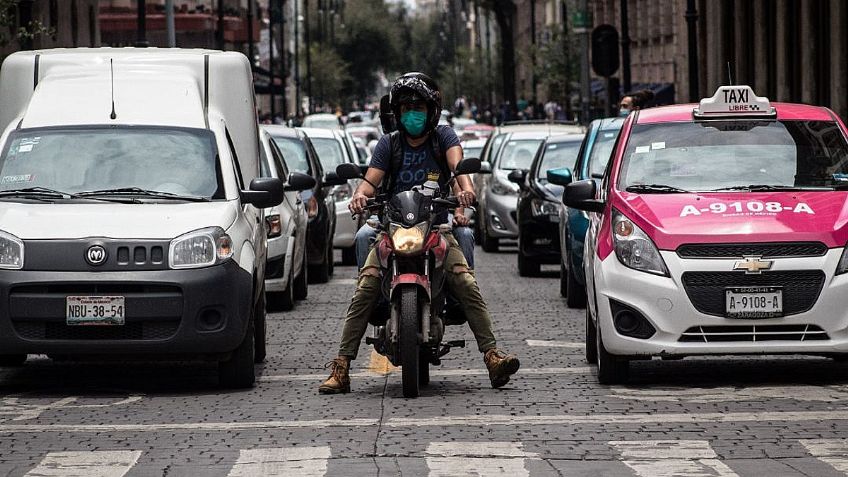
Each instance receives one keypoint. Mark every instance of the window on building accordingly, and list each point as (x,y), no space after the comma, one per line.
(74,22)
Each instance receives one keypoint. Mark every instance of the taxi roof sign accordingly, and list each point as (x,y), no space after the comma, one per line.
(734,101)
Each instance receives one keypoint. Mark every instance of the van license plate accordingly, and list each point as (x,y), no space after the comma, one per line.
(753,302)
(95,310)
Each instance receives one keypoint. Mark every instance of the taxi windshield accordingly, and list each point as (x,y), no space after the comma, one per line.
(736,155)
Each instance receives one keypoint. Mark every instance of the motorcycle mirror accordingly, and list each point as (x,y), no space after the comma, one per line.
(349,170)
(469,165)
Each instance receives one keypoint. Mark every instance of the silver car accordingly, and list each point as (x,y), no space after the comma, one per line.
(286,226)
(333,148)
(510,148)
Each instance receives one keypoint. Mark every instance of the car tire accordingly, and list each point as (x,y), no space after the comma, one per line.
(301,282)
(563,281)
(320,273)
(575,294)
(526,266)
(260,328)
(283,300)
(349,255)
(591,340)
(12,360)
(237,371)
(612,369)
(331,261)
(489,243)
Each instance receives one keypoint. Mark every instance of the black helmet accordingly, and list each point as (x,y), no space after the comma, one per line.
(417,87)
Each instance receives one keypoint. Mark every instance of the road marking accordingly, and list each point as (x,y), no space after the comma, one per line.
(379,364)
(20,411)
(669,458)
(728,394)
(282,462)
(459,459)
(433,373)
(443,421)
(833,452)
(86,464)
(555,344)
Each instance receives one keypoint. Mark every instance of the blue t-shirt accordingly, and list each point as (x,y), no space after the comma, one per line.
(419,165)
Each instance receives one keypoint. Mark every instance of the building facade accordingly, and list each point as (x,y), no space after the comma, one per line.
(70,23)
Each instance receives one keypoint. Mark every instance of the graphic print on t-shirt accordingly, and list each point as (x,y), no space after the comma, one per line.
(417,168)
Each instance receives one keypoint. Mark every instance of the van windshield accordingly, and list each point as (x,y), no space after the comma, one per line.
(176,161)
(736,155)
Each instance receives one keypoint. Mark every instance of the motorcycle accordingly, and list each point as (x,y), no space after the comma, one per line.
(410,318)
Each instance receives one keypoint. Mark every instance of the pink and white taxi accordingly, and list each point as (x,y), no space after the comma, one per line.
(718,228)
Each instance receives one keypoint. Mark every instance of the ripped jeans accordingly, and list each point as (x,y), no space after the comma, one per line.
(459,280)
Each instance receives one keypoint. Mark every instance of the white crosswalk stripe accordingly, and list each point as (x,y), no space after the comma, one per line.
(465,459)
(833,452)
(668,458)
(282,461)
(85,464)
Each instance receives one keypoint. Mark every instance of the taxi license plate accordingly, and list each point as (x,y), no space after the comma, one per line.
(753,302)
(95,310)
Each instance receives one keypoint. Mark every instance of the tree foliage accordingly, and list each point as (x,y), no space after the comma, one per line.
(11,31)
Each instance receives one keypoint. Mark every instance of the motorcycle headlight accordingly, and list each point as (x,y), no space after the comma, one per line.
(408,241)
(842,267)
(342,192)
(542,207)
(201,248)
(11,252)
(499,188)
(634,248)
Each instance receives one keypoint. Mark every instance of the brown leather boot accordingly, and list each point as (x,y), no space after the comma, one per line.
(501,366)
(339,380)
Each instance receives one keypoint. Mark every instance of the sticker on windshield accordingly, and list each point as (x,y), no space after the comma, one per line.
(643,149)
(16,179)
(753,208)
(657,145)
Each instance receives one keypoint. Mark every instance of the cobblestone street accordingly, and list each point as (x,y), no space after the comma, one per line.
(723,417)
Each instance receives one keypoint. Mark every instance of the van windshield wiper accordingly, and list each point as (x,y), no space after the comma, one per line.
(138,192)
(655,189)
(36,192)
(759,187)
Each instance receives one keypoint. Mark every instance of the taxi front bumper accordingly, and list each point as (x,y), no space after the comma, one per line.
(688,323)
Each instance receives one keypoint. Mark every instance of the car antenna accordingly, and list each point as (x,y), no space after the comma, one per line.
(112,77)
(729,75)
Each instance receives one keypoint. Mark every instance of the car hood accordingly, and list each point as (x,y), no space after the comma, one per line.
(674,219)
(136,221)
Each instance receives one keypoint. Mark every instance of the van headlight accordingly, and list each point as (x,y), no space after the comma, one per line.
(634,248)
(11,252)
(408,241)
(201,248)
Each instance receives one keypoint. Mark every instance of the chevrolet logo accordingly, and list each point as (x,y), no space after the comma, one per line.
(752,265)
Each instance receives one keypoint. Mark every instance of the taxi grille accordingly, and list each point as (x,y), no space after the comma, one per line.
(706,290)
(753,333)
(765,250)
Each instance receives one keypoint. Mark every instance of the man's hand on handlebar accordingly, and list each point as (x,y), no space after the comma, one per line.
(358,203)
(466,198)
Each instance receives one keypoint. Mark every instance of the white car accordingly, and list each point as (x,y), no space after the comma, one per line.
(321,121)
(332,150)
(285,272)
(132,207)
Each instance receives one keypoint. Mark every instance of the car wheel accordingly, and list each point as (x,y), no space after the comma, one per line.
(563,280)
(301,282)
(349,255)
(331,261)
(526,266)
(612,369)
(320,273)
(260,328)
(283,300)
(575,294)
(237,372)
(489,243)
(12,360)
(591,339)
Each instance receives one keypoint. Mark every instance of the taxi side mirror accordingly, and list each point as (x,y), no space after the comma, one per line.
(581,195)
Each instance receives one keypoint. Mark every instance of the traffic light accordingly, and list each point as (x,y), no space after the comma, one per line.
(605,50)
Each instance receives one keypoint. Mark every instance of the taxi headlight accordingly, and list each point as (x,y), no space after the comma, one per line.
(11,252)
(842,267)
(201,248)
(408,241)
(542,207)
(634,248)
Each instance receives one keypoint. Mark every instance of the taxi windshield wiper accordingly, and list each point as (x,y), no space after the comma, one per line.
(655,189)
(137,192)
(759,187)
(39,192)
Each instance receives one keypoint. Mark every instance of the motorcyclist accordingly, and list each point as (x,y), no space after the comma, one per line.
(416,102)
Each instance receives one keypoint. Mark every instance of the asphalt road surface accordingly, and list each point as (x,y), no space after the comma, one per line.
(756,416)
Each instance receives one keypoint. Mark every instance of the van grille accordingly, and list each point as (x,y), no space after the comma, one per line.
(753,333)
(147,330)
(706,290)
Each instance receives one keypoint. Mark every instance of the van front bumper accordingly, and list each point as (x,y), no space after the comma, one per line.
(167,312)
(818,324)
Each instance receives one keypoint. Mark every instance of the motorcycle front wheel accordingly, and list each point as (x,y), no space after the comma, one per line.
(410,347)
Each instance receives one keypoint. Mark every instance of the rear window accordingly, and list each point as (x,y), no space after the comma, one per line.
(715,155)
(293,153)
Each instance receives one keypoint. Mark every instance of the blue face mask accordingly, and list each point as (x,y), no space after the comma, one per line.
(414,122)
(623,112)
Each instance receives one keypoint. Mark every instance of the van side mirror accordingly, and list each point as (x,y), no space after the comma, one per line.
(561,176)
(333,179)
(581,195)
(299,181)
(467,166)
(348,170)
(485,167)
(264,192)
(518,176)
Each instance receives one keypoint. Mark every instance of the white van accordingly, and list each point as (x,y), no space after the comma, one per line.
(131,207)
